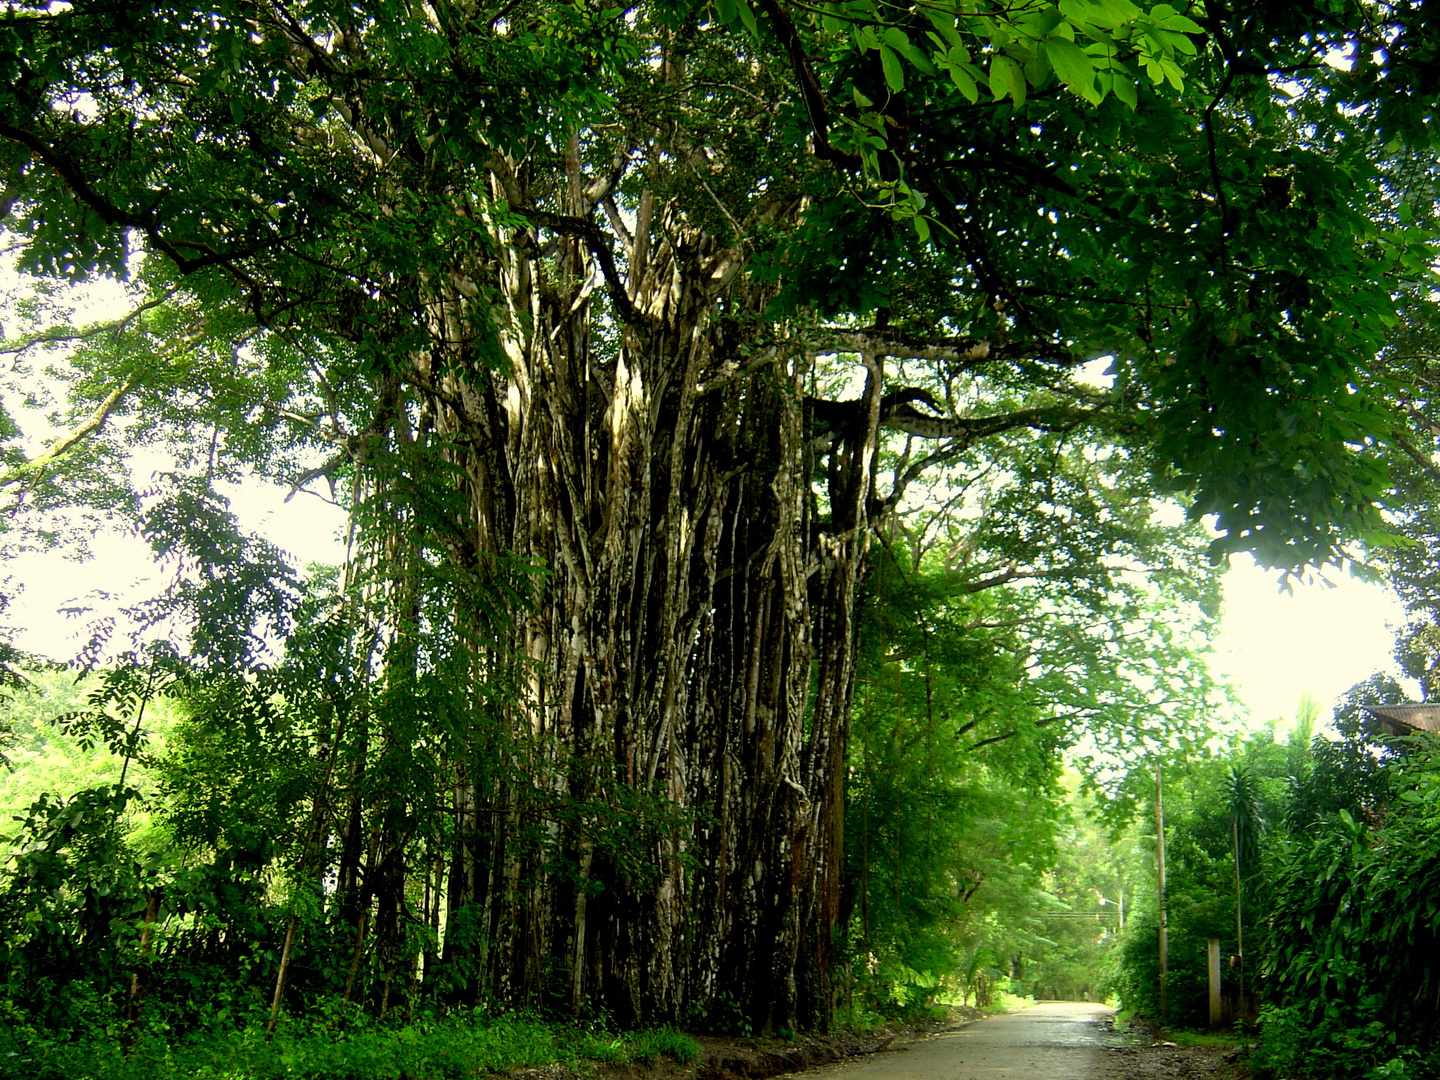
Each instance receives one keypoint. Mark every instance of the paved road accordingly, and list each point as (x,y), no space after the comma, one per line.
(1051,1041)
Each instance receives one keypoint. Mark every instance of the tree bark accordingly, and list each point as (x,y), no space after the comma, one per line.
(672,829)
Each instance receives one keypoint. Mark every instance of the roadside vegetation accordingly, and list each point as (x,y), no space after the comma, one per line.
(1317,853)
(333,1044)
(1333,930)
(788,454)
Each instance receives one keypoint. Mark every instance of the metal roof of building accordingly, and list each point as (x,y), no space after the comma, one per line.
(1406,719)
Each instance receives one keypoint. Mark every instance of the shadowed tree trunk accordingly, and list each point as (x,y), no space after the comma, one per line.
(666,484)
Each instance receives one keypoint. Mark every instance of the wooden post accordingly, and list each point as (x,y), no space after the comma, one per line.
(1212,951)
(1160,891)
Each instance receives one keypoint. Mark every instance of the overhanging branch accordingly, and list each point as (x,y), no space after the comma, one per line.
(599,246)
(31,471)
(61,337)
(811,95)
(145,222)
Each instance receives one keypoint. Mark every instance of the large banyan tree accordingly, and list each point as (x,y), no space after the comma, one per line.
(595,311)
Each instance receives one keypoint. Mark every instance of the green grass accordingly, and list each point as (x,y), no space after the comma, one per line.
(1004,1002)
(348,1047)
(604,1048)
(1122,1025)
(645,1047)
(1204,1038)
(648,1046)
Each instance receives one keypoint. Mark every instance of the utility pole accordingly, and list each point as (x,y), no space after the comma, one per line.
(1160,891)
(1239,926)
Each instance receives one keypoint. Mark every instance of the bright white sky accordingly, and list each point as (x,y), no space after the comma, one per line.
(1318,640)
(306,526)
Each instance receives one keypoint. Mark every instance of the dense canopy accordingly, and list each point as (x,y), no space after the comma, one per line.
(624,331)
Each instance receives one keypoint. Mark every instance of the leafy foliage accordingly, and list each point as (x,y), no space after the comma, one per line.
(1201,801)
(341,1042)
(542,294)
(1338,917)
(963,865)
(1265,279)
(1354,935)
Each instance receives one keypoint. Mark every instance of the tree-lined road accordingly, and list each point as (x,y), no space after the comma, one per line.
(1052,1041)
(712,394)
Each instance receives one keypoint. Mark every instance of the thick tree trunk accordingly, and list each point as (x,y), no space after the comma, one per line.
(673,834)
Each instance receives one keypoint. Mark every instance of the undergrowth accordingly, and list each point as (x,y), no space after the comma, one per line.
(351,1047)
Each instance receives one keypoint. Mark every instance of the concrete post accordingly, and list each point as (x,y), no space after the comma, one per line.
(1212,950)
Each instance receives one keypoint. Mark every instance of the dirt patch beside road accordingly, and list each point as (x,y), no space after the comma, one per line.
(1146,1054)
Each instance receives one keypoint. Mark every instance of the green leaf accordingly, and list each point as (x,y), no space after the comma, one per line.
(944,24)
(1006,79)
(747,16)
(894,70)
(898,40)
(1109,14)
(727,11)
(961,75)
(1073,67)
(1052,21)
(1176,42)
(1122,85)
(1173,75)
(1167,18)
(1122,11)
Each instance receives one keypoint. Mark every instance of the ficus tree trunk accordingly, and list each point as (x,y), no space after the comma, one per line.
(678,835)
(651,822)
